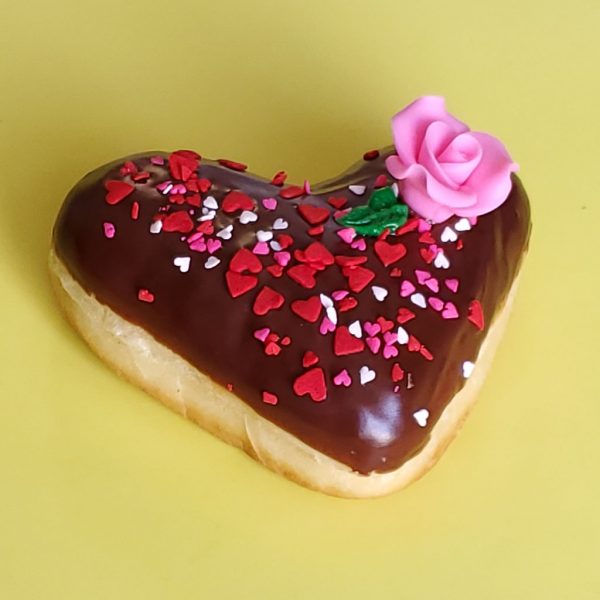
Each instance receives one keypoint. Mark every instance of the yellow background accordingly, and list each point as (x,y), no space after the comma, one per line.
(104,493)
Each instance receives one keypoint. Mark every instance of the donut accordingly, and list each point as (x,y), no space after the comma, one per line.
(338,333)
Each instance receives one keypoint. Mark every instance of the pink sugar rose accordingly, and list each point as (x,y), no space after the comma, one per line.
(443,167)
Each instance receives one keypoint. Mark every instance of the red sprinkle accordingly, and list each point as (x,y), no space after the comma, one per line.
(128,168)
(338,202)
(194,200)
(314,215)
(236,200)
(145,295)
(206,227)
(350,261)
(385,324)
(245,260)
(275,270)
(345,343)
(141,177)
(303,275)
(426,238)
(266,300)
(178,221)
(309,359)
(316,254)
(397,373)
(371,155)
(404,315)
(314,231)
(476,314)
(308,309)
(183,164)
(232,164)
(414,345)
(408,227)
(427,255)
(312,383)
(117,190)
(269,398)
(286,341)
(380,181)
(425,353)
(135,210)
(272,349)
(396,272)
(347,303)
(238,284)
(293,191)
(389,253)
(358,278)
(279,178)
(285,240)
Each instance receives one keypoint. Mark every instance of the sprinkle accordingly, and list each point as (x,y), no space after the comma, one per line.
(426,238)
(339,294)
(303,275)
(272,349)
(235,201)
(345,343)
(182,263)
(476,314)
(275,270)
(448,235)
(374,344)
(462,225)
(452,284)
(211,202)
(157,160)
(326,326)
(380,181)
(314,215)
(390,352)
(450,311)
(315,231)
(293,191)
(396,272)
(371,155)
(441,262)
(165,187)
(404,315)
(269,398)
(414,345)
(208,215)
(421,417)
(231,164)
(309,359)
(280,223)
(406,288)
(331,314)
(395,189)
(282,258)
(389,253)
(266,300)
(213,245)
(347,234)
(239,284)
(372,329)
(358,190)
(135,210)
(285,240)
(402,336)
(390,337)
(211,262)
(467,368)
(342,378)
(279,178)
(156,226)
(243,260)
(225,233)
(347,304)
(269,203)
(248,216)
(385,324)
(145,296)
(355,329)
(358,278)
(275,245)
(366,375)
(312,383)
(337,202)
(425,353)
(427,255)
(397,373)
(261,248)
(359,244)
(183,164)
(424,225)
(435,303)
(117,190)
(178,221)
(379,292)
(264,236)
(308,309)
(109,229)
(261,334)
(418,299)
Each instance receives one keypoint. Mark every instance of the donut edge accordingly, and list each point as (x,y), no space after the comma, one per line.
(137,357)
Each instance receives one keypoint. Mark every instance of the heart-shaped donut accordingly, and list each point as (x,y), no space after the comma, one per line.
(330,330)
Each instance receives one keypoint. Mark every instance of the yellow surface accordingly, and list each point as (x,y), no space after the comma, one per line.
(105,494)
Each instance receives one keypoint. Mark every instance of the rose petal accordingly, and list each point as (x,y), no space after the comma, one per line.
(414,193)
(438,137)
(461,157)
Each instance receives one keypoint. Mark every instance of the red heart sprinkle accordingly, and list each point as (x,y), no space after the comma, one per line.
(178,221)
(414,345)
(315,253)
(135,210)
(128,168)
(389,253)
(404,315)
(312,383)
(206,227)
(425,353)
(309,359)
(303,275)
(238,284)
(476,314)
(286,341)
(245,260)
(397,373)
(266,300)
(427,255)
(308,309)
(459,245)
(350,261)
(236,200)
(272,349)
(232,164)
(396,272)
(176,198)
(117,190)
(358,278)
(145,296)
(293,191)
(279,178)
(194,200)
(275,270)
(408,227)
(314,215)
(315,231)
(380,181)
(426,238)
(183,164)
(371,155)
(269,398)
(345,343)
(347,304)
(141,177)
(285,240)
(338,202)
(385,324)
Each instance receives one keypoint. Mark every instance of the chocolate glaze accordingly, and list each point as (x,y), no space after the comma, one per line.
(371,427)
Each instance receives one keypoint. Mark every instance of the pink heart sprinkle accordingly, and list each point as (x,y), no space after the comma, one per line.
(347,234)
(436,303)
(161,187)
(374,344)
(326,326)
(452,284)
(434,249)
(198,235)
(338,295)
(424,226)
(390,352)
(450,311)
(157,160)
(359,244)
(371,329)
(109,230)
(269,203)
(422,276)
(178,188)
(342,378)
(390,337)
(261,248)
(473,221)
(433,284)
(406,288)
(198,246)
(282,258)
(213,245)
(262,334)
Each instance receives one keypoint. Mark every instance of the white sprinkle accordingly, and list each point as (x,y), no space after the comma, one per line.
(326,301)
(183,262)
(462,225)
(359,190)
(211,262)
(331,314)
(379,292)
(167,189)
(421,417)
(210,202)
(366,375)
(280,224)
(208,216)
(402,335)
(264,236)
(225,233)
(395,189)
(448,235)
(275,246)
(248,216)
(441,262)
(355,329)
(467,368)
(419,299)
(156,227)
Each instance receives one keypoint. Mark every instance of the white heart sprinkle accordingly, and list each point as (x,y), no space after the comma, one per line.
(210,202)
(248,216)
(264,236)
(211,262)
(183,262)
(366,375)
(280,223)
(467,368)
(395,189)
(462,225)
(225,233)
(448,235)
(421,417)
(379,292)
(275,246)
(326,301)
(402,335)
(156,227)
(359,190)
(355,329)
(167,189)
(208,216)
(419,300)
(441,262)
(331,314)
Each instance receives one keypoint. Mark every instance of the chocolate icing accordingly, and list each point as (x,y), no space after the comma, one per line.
(371,427)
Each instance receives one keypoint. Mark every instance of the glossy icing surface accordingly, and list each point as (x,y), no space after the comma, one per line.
(369,401)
